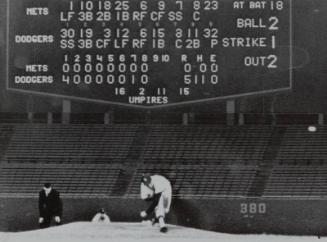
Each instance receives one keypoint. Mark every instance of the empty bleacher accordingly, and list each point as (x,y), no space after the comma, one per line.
(200,160)
(297,181)
(300,168)
(207,143)
(300,146)
(94,143)
(70,143)
(6,132)
(26,179)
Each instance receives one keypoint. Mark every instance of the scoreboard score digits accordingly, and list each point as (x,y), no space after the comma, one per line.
(149,53)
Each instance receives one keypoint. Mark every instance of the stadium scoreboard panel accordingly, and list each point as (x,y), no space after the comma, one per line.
(149,53)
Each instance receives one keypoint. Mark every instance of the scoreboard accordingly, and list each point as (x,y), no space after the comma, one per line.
(149,53)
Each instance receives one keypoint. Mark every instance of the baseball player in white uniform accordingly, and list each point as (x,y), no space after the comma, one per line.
(101,217)
(157,189)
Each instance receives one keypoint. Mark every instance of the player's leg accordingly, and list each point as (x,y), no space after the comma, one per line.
(164,208)
(46,222)
(160,214)
(167,196)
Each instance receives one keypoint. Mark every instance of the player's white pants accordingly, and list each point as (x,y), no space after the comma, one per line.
(164,203)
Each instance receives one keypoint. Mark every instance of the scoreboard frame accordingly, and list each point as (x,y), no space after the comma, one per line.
(182,103)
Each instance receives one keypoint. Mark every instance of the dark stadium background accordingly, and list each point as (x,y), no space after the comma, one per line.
(219,163)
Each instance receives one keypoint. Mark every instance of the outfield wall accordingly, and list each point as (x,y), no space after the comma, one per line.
(281,216)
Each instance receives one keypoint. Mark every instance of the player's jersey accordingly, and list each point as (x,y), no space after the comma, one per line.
(159,184)
(101,218)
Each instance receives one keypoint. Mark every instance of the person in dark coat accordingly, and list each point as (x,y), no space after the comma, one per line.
(50,205)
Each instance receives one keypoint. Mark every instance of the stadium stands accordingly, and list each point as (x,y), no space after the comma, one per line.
(207,143)
(200,160)
(70,143)
(6,132)
(300,145)
(26,179)
(13,117)
(299,181)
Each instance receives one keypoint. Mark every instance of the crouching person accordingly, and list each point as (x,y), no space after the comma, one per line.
(101,217)
(158,190)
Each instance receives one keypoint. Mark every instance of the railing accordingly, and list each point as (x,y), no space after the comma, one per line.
(165,117)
